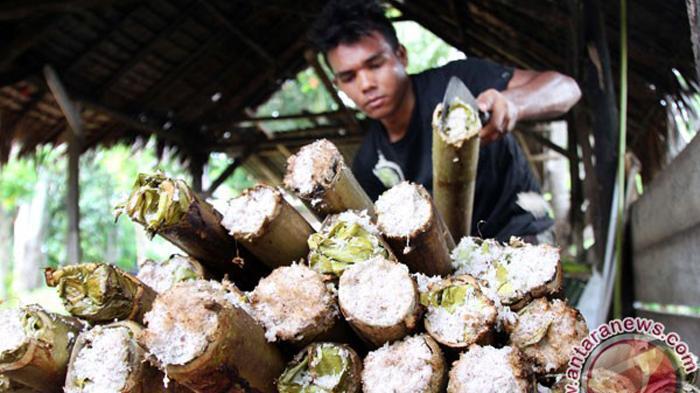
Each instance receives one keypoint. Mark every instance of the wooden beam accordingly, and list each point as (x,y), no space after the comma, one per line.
(544,141)
(312,58)
(228,171)
(75,135)
(271,176)
(694,19)
(18,9)
(461,30)
(262,52)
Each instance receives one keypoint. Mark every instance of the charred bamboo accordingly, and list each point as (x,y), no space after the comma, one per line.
(379,299)
(413,228)
(169,208)
(323,367)
(455,160)
(345,239)
(268,226)
(162,275)
(35,347)
(100,293)
(318,175)
(203,340)
(413,365)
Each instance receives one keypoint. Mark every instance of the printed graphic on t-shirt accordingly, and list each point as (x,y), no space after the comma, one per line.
(388,172)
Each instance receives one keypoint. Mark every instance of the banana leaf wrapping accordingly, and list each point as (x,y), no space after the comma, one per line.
(138,376)
(459,301)
(169,208)
(41,360)
(380,300)
(318,175)
(322,367)
(455,160)
(425,247)
(100,293)
(278,236)
(162,275)
(203,340)
(346,239)
(546,332)
(414,364)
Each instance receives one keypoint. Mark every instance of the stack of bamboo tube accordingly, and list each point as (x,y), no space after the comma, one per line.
(379,299)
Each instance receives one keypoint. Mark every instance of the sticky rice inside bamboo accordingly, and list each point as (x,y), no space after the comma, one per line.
(462,123)
(377,292)
(401,367)
(313,168)
(292,301)
(103,365)
(161,276)
(402,210)
(12,333)
(247,213)
(180,326)
(487,370)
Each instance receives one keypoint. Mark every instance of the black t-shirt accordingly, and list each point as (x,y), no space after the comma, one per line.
(503,171)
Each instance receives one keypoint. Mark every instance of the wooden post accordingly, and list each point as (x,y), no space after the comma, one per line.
(75,134)
(196,167)
(694,19)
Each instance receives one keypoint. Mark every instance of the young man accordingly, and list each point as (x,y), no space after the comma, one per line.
(369,64)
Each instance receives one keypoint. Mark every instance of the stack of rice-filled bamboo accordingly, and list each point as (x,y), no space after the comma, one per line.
(379,299)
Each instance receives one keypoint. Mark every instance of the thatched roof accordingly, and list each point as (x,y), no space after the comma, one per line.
(186,70)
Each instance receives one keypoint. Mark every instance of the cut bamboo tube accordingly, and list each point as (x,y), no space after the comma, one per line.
(162,275)
(268,226)
(169,208)
(295,305)
(203,341)
(108,358)
(323,367)
(318,175)
(487,369)
(413,365)
(99,292)
(455,160)
(38,355)
(345,239)
(379,299)
(458,313)
(412,226)
(547,332)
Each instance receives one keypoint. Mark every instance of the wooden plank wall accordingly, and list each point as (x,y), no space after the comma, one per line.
(665,225)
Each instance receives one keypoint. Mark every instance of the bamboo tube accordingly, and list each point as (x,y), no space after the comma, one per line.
(412,226)
(36,346)
(9,386)
(162,275)
(515,273)
(379,299)
(322,367)
(345,239)
(413,365)
(455,160)
(107,358)
(99,292)
(268,226)
(318,175)
(295,305)
(489,370)
(546,332)
(458,313)
(169,208)
(202,340)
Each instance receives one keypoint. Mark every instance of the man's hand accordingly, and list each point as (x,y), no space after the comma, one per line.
(504,115)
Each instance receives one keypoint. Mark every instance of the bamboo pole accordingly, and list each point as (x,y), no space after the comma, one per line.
(327,367)
(41,361)
(415,231)
(268,226)
(206,343)
(455,160)
(318,175)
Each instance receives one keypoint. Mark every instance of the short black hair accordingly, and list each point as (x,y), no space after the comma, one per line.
(348,21)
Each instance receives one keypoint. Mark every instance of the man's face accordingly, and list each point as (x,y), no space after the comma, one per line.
(371,73)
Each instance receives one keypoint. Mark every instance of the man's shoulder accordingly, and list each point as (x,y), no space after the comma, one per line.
(478,74)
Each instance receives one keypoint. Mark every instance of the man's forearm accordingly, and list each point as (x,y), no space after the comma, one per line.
(543,95)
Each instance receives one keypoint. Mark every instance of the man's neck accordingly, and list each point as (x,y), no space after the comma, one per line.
(396,124)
